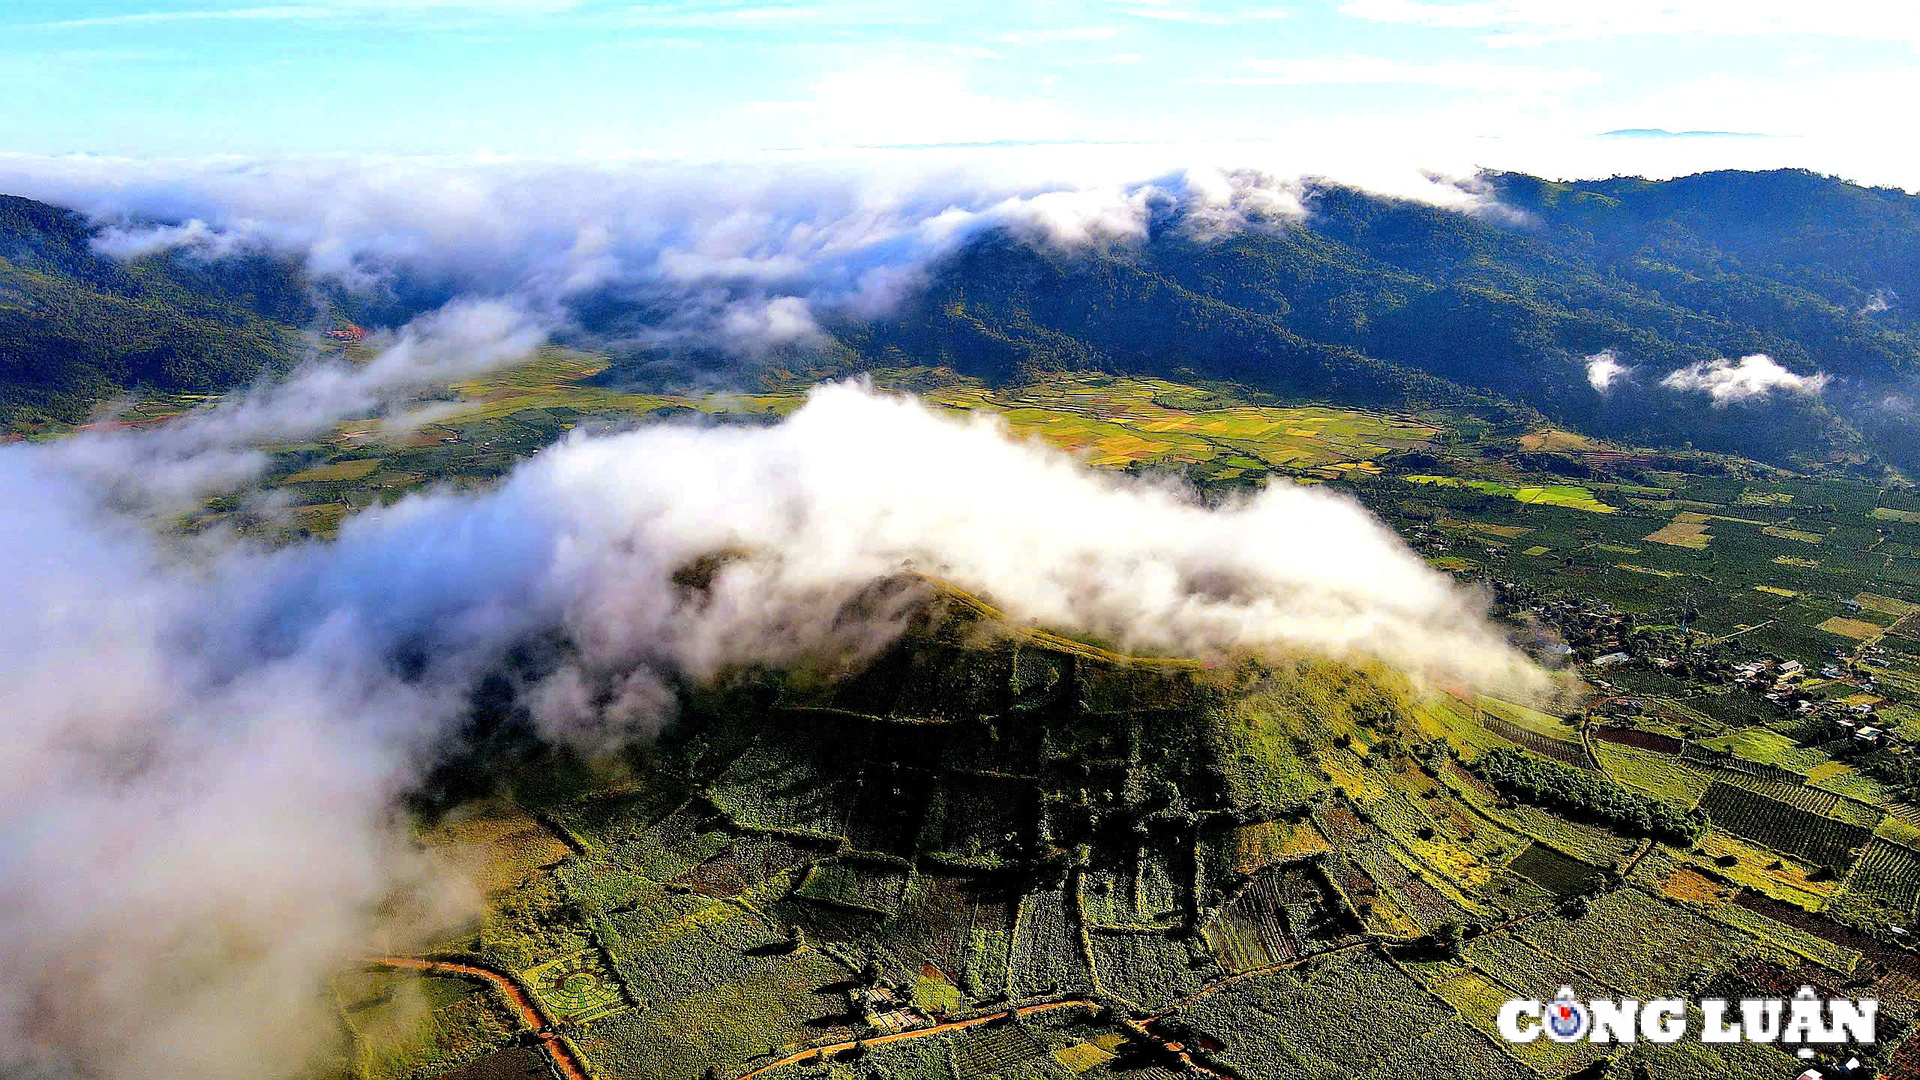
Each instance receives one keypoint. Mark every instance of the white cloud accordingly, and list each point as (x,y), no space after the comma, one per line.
(1755,377)
(207,745)
(1530,22)
(281,11)
(1060,33)
(1605,369)
(325,9)
(1380,71)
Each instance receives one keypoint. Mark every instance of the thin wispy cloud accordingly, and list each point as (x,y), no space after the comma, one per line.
(284,11)
(1533,22)
(329,10)
(1381,71)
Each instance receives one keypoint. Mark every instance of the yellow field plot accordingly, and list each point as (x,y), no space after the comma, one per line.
(1648,570)
(1888,513)
(1886,605)
(1537,549)
(1775,590)
(1255,846)
(1791,939)
(1555,439)
(1804,564)
(1850,628)
(1752,867)
(1081,1057)
(1350,772)
(1619,549)
(1478,1000)
(1687,884)
(1682,533)
(1765,498)
(338,472)
(323,518)
(1793,534)
(1123,449)
(495,844)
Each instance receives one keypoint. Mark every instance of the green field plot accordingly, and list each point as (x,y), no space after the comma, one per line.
(776,789)
(1787,939)
(577,987)
(1798,535)
(336,472)
(1663,776)
(1455,1049)
(1889,873)
(1253,931)
(1766,746)
(1634,942)
(1811,799)
(855,883)
(405,1025)
(1565,495)
(719,1023)
(1559,874)
(1046,951)
(1151,970)
(987,1050)
(979,820)
(1329,1023)
(1777,825)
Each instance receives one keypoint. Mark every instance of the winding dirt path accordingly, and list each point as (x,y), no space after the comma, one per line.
(919,1033)
(564,1059)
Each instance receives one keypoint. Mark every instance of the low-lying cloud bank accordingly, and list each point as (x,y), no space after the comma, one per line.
(1752,378)
(207,740)
(742,254)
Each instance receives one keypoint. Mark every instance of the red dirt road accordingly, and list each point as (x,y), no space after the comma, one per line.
(570,1066)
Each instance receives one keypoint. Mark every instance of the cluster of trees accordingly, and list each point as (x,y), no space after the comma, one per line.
(1579,794)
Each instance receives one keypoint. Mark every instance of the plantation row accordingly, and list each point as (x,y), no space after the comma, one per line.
(1722,759)
(1559,874)
(1567,753)
(1889,873)
(1639,740)
(1770,823)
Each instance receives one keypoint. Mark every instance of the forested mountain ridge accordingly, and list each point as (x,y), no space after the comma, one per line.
(77,326)
(1364,300)
(1369,299)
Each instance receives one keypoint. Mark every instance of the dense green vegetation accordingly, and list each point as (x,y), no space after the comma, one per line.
(77,327)
(1366,301)
(1371,300)
(1582,795)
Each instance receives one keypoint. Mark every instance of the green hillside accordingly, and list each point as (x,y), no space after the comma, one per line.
(77,327)
(1372,300)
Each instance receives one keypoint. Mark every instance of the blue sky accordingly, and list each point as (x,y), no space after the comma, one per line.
(590,78)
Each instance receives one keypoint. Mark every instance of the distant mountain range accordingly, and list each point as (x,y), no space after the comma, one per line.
(1369,300)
